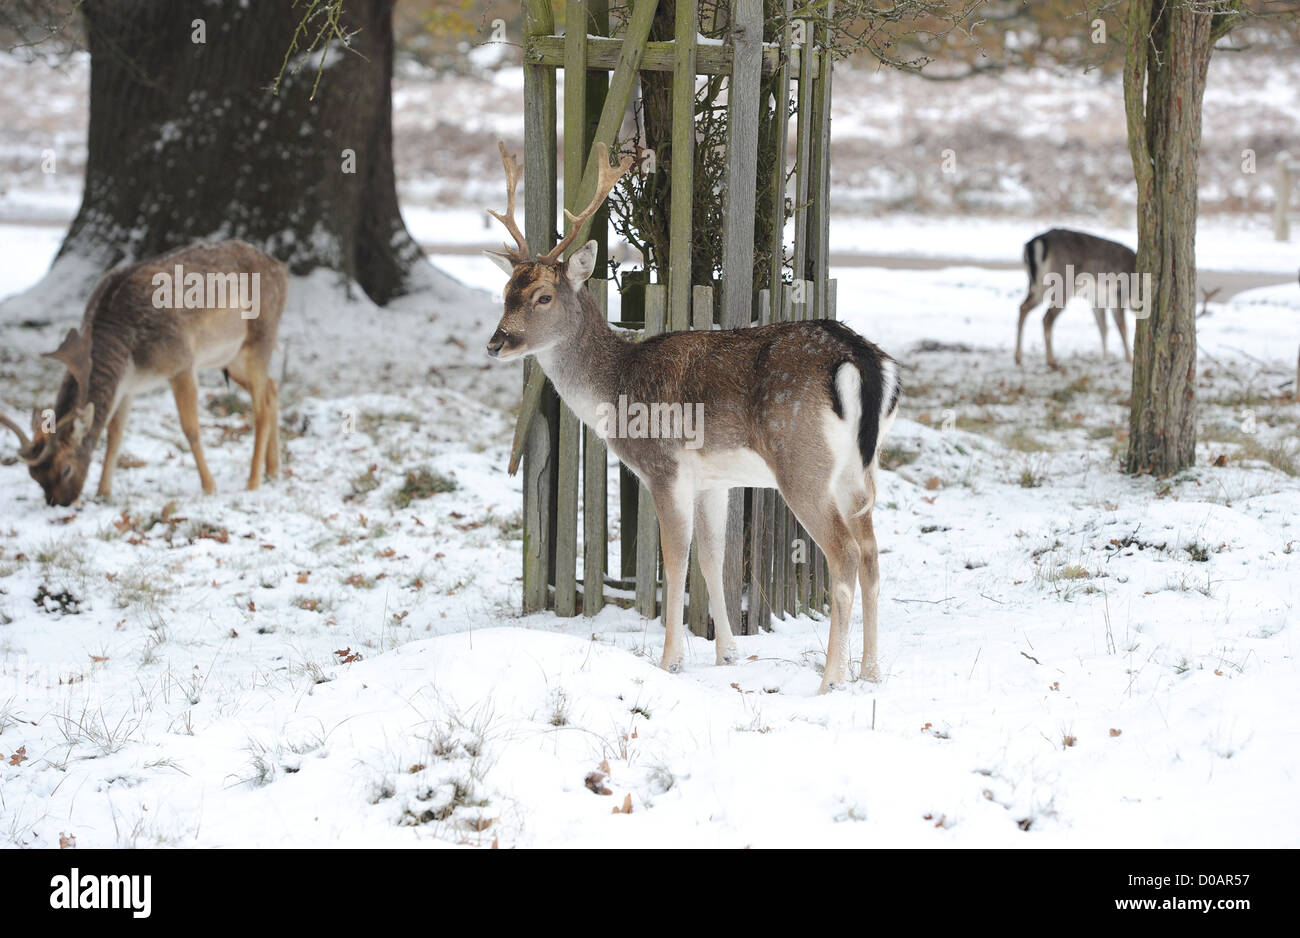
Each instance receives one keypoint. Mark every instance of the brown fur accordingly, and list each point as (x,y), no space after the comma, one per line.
(1087,254)
(767,394)
(126,342)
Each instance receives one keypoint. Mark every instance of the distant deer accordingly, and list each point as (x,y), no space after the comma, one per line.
(797,406)
(1051,253)
(153,322)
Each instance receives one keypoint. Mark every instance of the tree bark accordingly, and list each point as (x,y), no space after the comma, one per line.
(188,142)
(1168,53)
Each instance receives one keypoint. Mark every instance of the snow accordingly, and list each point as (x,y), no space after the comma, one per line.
(1070,656)
(205,693)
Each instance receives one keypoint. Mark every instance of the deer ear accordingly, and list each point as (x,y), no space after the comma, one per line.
(501,260)
(74,353)
(581,263)
(85,416)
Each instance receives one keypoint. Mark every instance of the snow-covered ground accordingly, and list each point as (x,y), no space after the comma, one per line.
(1071,656)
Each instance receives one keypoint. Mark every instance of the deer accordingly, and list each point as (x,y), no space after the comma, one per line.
(1065,254)
(155,322)
(801,407)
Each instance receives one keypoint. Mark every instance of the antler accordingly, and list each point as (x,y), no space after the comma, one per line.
(22,437)
(512,180)
(28,451)
(608,178)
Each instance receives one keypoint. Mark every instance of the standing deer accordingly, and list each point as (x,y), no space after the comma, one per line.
(159,321)
(1066,254)
(797,406)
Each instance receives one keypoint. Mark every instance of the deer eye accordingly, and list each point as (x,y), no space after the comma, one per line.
(544,299)
(67,471)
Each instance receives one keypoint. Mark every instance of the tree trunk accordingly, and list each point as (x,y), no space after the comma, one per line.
(1168,52)
(188,142)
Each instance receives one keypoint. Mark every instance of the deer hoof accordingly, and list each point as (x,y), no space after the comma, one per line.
(728,655)
(672,665)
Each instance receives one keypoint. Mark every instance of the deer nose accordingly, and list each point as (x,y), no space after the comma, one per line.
(496,343)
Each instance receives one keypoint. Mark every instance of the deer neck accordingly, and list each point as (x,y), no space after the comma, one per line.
(585,363)
(110,359)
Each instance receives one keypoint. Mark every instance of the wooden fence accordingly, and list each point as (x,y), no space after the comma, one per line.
(770,561)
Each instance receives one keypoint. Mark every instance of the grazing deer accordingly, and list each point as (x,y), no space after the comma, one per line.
(797,406)
(159,321)
(1065,254)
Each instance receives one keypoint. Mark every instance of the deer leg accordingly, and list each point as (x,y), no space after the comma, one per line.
(1122,325)
(869,577)
(116,427)
(1049,320)
(185,388)
(673,504)
(1025,308)
(710,542)
(822,519)
(1100,316)
(273,418)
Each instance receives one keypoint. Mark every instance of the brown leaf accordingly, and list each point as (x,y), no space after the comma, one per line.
(67,840)
(304,576)
(19,757)
(1114,732)
(932,483)
(596,782)
(627,806)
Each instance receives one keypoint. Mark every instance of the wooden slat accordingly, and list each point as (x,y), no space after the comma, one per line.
(647,535)
(595,497)
(760,531)
(819,176)
(742,166)
(621,84)
(697,613)
(738,239)
(567,456)
(683,168)
(776,273)
(802,170)
(539,207)
(595,453)
(659,56)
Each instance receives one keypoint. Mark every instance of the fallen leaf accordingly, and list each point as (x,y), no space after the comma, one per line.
(67,840)
(19,757)
(596,782)
(932,483)
(1114,732)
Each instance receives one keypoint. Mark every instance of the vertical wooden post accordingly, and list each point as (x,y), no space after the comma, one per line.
(760,529)
(595,480)
(539,221)
(683,167)
(1282,208)
(595,497)
(566,464)
(738,237)
(647,535)
(697,613)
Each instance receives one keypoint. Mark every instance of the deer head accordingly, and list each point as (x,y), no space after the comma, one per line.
(58,452)
(541,299)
